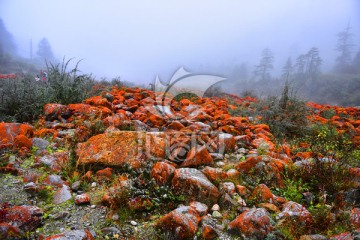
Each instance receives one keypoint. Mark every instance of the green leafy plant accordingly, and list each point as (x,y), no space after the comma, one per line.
(286,116)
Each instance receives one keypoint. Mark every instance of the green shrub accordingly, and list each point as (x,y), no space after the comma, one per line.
(332,155)
(67,87)
(22,99)
(286,116)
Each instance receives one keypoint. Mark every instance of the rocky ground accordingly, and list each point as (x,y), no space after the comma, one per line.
(118,167)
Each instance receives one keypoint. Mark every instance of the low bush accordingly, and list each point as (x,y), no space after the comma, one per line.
(285,115)
(22,99)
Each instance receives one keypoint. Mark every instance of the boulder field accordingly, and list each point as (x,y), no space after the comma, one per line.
(117,167)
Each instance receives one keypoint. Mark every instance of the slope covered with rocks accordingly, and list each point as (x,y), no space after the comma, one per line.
(118,167)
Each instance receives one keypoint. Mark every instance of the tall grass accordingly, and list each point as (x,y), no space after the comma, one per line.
(22,99)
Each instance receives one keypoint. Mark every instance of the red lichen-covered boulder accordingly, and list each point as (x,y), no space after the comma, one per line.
(202,209)
(181,223)
(175,125)
(87,111)
(113,149)
(26,218)
(114,120)
(22,141)
(82,199)
(209,232)
(226,142)
(248,164)
(197,157)
(155,145)
(55,111)
(214,174)
(262,194)
(293,210)
(9,132)
(162,172)
(98,101)
(194,185)
(252,224)
(104,174)
(265,166)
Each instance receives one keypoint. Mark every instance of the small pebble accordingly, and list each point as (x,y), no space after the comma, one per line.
(93,206)
(132,222)
(115,217)
(220,164)
(93,184)
(216,214)
(215,207)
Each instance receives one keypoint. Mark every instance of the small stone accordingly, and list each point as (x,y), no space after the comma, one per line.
(220,164)
(75,186)
(241,202)
(201,208)
(217,156)
(31,187)
(227,187)
(110,230)
(93,184)
(60,215)
(215,207)
(115,217)
(12,159)
(242,190)
(62,195)
(82,199)
(132,222)
(216,214)
(93,206)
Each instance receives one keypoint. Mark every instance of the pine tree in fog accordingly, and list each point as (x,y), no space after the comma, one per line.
(44,50)
(345,48)
(262,71)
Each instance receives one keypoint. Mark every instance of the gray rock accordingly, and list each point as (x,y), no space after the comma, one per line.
(48,160)
(110,231)
(73,235)
(217,156)
(201,208)
(31,188)
(216,214)
(40,143)
(60,215)
(75,186)
(62,195)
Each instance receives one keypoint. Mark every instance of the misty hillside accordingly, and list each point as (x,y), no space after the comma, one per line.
(115,166)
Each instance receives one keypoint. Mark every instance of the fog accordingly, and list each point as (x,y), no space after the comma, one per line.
(138,40)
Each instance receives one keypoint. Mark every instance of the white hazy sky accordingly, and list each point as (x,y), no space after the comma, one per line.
(137,40)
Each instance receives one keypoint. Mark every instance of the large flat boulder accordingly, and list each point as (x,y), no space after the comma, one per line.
(121,148)
(114,148)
